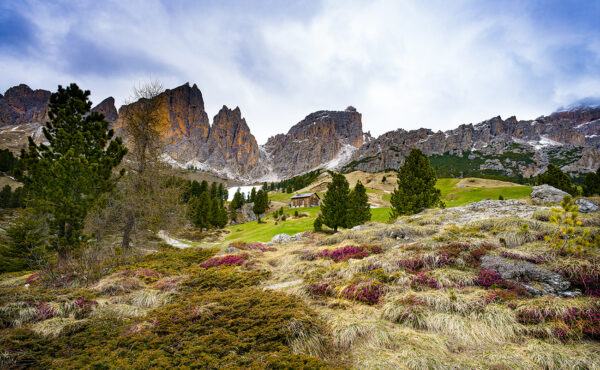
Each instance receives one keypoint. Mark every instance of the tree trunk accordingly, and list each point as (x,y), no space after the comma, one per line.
(127,231)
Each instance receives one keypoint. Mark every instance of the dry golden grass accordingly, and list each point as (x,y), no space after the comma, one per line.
(53,326)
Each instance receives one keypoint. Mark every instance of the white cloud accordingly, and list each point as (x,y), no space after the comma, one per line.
(402,64)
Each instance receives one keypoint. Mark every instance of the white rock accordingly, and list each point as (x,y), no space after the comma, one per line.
(281,238)
(586,206)
(543,194)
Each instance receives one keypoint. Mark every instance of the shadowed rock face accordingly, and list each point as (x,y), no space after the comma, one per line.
(21,105)
(314,141)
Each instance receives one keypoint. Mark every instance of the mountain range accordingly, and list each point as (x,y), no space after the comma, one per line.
(569,138)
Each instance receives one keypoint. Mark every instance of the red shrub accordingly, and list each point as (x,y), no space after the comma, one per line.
(421,281)
(349,252)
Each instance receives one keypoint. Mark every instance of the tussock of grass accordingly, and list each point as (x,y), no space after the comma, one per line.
(53,326)
(150,298)
(119,311)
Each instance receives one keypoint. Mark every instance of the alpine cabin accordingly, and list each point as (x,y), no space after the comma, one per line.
(305,200)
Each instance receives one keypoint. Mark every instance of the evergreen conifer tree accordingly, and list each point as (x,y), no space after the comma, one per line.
(335,202)
(359,210)
(591,184)
(5,196)
(416,186)
(555,177)
(261,202)
(66,176)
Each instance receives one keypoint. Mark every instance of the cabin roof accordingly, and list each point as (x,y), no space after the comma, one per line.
(304,195)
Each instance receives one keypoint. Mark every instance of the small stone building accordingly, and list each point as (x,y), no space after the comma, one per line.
(305,200)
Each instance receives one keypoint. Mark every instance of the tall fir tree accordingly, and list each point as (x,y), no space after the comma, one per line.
(335,202)
(359,210)
(200,210)
(416,186)
(261,202)
(555,177)
(66,176)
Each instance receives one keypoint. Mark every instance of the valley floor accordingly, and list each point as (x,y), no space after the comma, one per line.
(423,292)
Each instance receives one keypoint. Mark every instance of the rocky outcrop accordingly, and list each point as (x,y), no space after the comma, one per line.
(22,105)
(586,205)
(544,194)
(504,147)
(548,282)
(322,139)
(108,109)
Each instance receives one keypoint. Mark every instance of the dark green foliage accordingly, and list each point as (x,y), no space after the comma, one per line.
(384,179)
(66,177)
(591,184)
(359,210)
(297,182)
(206,204)
(7,161)
(252,197)
(295,213)
(5,195)
(261,202)
(335,202)
(416,186)
(558,179)
(24,248)
(12,199)
(500,197)
(318,224)
(171,260)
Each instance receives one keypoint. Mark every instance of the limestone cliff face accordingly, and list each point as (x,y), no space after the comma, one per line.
(571,139)
(22,105)
(318,140)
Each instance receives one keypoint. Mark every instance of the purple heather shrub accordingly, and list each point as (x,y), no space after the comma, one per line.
(44,312)
(229,260)
(413,264)
(34,279)
(364,292)
(489,278)
(320,289)
(81,307)
(349,252)
(422,281)
(585,278)
(261,247)
(585,321)
(168,283)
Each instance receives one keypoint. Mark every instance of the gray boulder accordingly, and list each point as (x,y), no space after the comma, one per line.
(549,282)
(586,206)
(544,194)
(281,238)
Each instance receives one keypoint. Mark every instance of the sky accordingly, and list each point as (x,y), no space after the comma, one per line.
(402,64)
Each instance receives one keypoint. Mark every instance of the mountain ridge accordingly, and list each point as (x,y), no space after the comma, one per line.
(333,139)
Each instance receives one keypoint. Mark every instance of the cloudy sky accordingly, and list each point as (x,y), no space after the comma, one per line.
(402,64)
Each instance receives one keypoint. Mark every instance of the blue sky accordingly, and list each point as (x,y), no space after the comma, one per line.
(403,64)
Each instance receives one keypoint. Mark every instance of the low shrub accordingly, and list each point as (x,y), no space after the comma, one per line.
(422,281)
(585,277)
(350,252)
(364,292)
(571,323)
(170,260)
(320,289)
(222,278)
(490,278)
(228,260)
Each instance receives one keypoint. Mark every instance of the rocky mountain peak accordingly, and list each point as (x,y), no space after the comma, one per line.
(108,109)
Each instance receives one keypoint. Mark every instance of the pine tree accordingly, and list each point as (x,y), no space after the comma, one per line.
(416,186)
(359,210)
(67,176)
(591,184)
(252,195)
(261,202)
(318,224)
(555,177)
(5,195)
(335,202)
(200,210)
